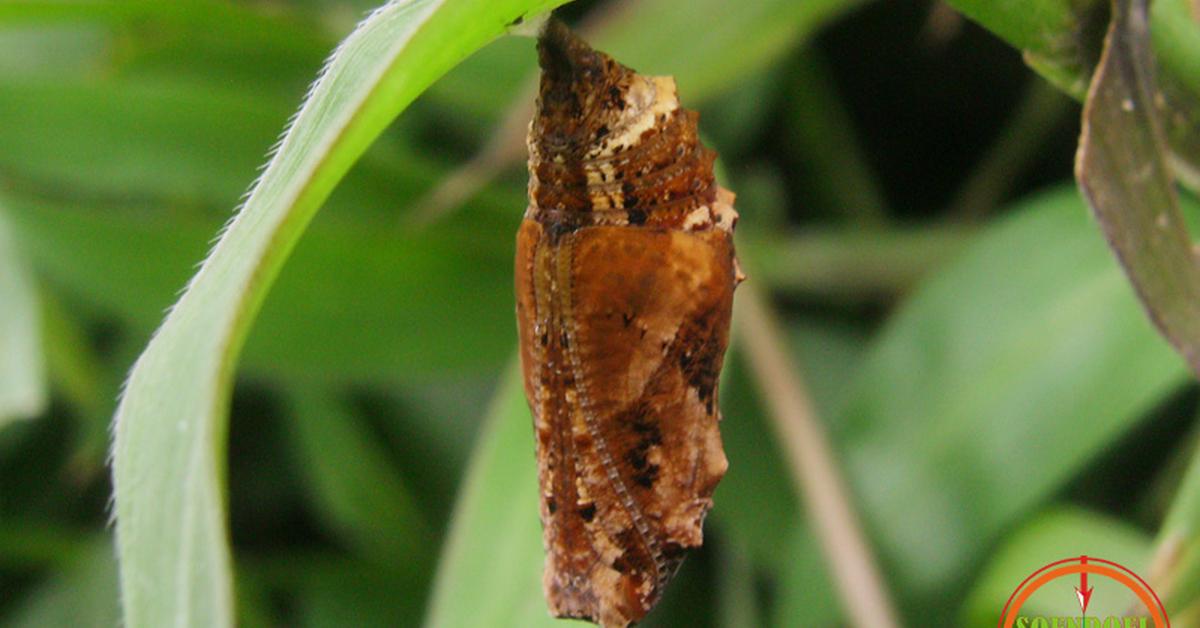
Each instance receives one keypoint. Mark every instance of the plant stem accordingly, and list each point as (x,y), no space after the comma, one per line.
(814,471)
(852,265)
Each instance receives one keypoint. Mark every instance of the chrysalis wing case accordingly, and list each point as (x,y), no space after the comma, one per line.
(625,273)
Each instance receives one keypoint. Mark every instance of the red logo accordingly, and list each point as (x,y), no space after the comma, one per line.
(1148,611)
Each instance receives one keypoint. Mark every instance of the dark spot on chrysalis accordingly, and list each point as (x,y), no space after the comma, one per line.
(636,216)
(558,229)
(627,319)
(551,505)
(685,361)
(588,512)
(620,564)
(545,339)
(647,477)
(637,458)
(614,96)
(650,435)
(602,131)
(673,551)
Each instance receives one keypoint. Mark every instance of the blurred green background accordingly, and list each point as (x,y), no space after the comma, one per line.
(995,394)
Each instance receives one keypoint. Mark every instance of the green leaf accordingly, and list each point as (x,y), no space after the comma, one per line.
(169,450)
(1061,40)
(805,596)
(22,382)
(1057,533)
(1045,29)
(353,485)
(354,303)
(1123,169)
(84,594)
(1029,355)
(691,40)
(84,379)
(180,141)
(495,523)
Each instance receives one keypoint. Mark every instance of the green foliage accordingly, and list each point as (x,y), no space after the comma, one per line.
(495,523)
(998,380)
(22,391)
(1053,535)
(978,379)
(170,426)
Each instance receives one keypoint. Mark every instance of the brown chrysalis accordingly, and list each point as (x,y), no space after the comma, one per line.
(625,273)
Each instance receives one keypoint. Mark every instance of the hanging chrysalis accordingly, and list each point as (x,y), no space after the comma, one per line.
(625,272)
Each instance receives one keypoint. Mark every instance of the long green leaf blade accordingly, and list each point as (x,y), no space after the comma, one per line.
(22,385)
(171,424)
(355,491)
(495,527)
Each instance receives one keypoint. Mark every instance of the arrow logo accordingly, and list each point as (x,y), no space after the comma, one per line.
(1083,592)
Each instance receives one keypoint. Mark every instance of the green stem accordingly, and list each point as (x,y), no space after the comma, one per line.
(852,265)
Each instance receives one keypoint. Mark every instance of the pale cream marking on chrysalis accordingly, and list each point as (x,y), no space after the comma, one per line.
(726,215)
(647,98)
(698,219)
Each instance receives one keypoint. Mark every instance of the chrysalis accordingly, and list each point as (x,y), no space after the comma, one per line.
(625,273)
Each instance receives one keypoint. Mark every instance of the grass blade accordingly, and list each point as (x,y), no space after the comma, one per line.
(168,455)
(495,524)
(22,383)
(355,490)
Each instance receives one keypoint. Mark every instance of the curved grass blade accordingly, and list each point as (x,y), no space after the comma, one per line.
(1124,171)
(495,527)
(22,382)
(168,454)
(354,490)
